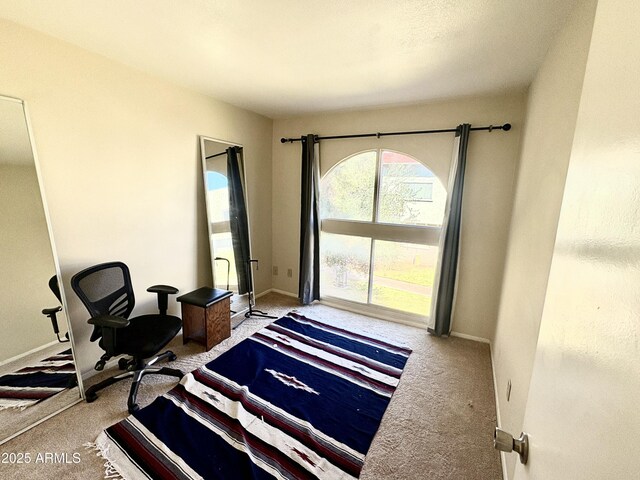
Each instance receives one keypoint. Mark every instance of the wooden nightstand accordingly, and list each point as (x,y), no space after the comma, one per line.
(206,316)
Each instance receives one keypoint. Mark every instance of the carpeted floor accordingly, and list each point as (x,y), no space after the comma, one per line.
(439,424)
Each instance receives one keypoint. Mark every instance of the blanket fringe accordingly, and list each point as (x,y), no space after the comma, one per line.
(110,471)
(16,406)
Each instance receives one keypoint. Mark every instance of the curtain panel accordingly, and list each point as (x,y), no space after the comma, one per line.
(444,294)
(309,281)
(238,217)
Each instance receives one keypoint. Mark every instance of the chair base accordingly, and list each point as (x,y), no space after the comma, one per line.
(137,374)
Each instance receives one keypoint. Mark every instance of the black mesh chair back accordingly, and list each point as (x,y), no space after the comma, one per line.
(105,289)
(107,293)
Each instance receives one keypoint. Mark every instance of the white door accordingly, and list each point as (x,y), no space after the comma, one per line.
(583,410)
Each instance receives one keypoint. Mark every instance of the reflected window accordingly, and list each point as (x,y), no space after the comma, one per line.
(218,196)
(224,273)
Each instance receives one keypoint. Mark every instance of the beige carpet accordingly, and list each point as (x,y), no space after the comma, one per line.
(439,424)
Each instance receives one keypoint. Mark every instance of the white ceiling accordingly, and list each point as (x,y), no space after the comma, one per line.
(288,57)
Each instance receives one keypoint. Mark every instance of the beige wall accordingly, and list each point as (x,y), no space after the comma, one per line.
(26,263)
(488,188)
(121,169)
(547,138)
(582,409)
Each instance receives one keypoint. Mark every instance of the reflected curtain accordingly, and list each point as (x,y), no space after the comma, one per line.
(238,216)
(309,281)
(443,300)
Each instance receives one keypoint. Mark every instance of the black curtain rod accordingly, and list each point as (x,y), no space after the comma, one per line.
(216,155)
(506,127)
(223,153)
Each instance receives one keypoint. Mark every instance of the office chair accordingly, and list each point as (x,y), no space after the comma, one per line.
(52,312)
(106,291)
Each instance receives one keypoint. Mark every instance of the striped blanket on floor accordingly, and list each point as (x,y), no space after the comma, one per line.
(299,399)
(30,385)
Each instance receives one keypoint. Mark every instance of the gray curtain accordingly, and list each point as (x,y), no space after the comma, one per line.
(309,282)
(444,295)
(238,217)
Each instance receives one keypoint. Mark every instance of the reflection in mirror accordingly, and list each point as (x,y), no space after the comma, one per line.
(37,372)
(228,223)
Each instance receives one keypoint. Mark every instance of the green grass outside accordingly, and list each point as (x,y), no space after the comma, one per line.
(389,297)
(401,300)
(416,275)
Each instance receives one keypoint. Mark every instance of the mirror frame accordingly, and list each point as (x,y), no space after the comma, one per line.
(56,263)
(203,160)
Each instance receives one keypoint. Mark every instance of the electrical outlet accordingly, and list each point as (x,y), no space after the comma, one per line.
(508,390)
(290,272)
(275,270)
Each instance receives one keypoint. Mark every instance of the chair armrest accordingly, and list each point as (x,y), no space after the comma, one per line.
(166,289)
(163,292)
(49,311)
(109,321)
(51,314)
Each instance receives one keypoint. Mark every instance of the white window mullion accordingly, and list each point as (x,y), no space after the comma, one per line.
(376,203)
(383,231)
(371,261)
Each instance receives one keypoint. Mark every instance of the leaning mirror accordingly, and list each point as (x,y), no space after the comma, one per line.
(37,372)
(227,220)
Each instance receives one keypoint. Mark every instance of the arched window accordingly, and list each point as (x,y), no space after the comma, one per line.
(381,217)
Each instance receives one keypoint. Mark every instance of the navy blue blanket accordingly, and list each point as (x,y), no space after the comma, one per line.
(35,383)
(298,399)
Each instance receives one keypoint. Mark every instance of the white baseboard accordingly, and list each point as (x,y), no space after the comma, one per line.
(470,337)
(275,290)
(282,292)
(34,350)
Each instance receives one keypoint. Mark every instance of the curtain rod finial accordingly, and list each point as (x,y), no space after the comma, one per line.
(506,127)
(283,140)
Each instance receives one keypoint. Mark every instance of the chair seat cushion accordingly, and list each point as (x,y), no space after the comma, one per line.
(147,334)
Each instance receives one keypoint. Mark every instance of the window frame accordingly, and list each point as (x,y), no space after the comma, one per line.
(373,230)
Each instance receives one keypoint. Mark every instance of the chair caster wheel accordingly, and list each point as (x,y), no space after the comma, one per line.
(123,363)
(99,365)
(173,357)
